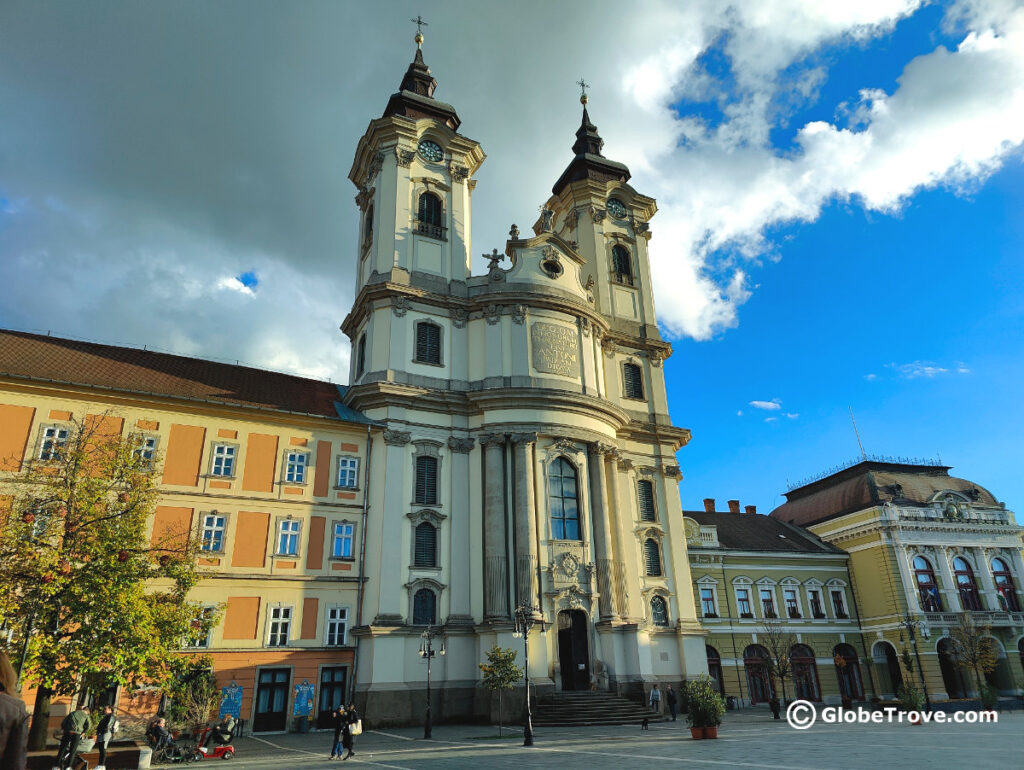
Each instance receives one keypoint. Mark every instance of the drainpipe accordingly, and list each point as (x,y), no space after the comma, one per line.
(360,590)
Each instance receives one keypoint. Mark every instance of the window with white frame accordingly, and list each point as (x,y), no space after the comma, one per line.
(288,537)
(707,602)
(202,630)
(295,465)
(54,439)
(223,460)
(280,626)
(348,472)
(145,449)
(336,632)
(211,536)
(342,540)
(743,603)
(768,603)
(789,596)
(814,598)
(839,602)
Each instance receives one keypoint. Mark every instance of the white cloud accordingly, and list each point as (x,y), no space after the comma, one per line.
(792,415)
(927,369)
(775,403)
(870,377)
(739,412)
(771,419)
(233,284)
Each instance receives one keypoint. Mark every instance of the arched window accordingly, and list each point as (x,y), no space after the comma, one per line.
(425,551)
(927,590)
(965,584)
(368,227)
(715,668)
(645,491)
(952,671)
(659,611)
(805,673)
(848,671)
(652,557)
(1004,586)
(564,500)
(424,608)
(428,343)
(430,216)
(361,356)
(622,265)
(426,480)
(760,685)
(633,381)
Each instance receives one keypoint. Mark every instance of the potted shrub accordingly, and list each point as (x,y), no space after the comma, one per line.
(989,697)
(707,708)
(912,700)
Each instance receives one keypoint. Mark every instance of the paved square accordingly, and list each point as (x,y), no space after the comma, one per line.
(748,739)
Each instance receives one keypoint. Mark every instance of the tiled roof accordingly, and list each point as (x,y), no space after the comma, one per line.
(40,357)
(754,532)
(872,483)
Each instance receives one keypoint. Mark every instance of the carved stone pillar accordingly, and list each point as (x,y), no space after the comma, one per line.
(983,573)
(601,512)
(950,592)
(525,521)
(495,558)
(461,573)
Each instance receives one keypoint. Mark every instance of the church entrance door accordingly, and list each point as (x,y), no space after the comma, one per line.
(573,650)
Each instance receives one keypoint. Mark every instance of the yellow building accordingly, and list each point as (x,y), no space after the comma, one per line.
(924,548)
(748,570)
(268,471)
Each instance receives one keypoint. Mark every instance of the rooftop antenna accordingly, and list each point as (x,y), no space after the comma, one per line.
(863,455)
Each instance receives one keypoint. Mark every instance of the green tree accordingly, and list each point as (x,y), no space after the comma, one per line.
(192,691)
(501,673)
(778,641)
(90,595)
(974,646)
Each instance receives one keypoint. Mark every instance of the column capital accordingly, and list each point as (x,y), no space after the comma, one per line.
(491,439)
(397,437)
(601,448)
(461,445)
(524,438)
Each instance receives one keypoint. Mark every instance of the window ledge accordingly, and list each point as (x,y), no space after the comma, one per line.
(428,363)
(216,476)
(635,398)
(293,483)
(342,558)
(424,569)
(426,505)
(347,489)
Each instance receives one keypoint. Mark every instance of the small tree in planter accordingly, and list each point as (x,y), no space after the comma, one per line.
(778,642)
(706,708)
(501,673)
(912,700)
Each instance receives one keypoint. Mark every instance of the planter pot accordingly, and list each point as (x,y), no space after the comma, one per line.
(696,733)
(711,732)
(915,718)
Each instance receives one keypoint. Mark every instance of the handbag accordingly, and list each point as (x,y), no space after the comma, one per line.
(357,727)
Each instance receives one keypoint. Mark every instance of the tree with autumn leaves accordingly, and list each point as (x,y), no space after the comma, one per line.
(87,594)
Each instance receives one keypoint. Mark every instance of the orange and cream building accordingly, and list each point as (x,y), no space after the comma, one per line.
(266,469)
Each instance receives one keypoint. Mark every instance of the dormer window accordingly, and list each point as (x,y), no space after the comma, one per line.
(430,216)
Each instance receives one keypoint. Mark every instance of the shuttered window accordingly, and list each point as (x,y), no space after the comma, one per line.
(426,480)
(652,557)
(430,209)
(633,379)
(424,608)
(646,492)
(361,356)
(428,343)
(622,266)
(425,554)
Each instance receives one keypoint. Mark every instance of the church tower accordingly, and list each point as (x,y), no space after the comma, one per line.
(527,463)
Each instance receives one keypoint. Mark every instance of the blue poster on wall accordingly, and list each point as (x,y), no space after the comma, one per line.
(231,701)
(304,692)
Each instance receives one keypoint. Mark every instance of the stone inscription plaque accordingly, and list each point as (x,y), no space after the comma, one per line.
(554,349)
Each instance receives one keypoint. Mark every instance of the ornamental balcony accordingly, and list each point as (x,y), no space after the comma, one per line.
(993,618)
(437,232)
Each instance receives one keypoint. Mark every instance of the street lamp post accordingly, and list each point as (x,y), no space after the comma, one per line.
(427,651)
(911,625)
(525,617)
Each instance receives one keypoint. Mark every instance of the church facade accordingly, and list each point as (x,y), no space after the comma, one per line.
(528,458)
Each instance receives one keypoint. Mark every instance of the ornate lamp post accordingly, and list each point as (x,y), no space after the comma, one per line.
(427,651)
(911,626)
(525,617)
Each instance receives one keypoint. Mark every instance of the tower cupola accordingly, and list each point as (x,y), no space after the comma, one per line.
(588,162)
(415,96)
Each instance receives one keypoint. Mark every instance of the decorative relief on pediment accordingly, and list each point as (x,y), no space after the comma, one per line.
(459,318)
(397,437)
(554,349)
(400,306)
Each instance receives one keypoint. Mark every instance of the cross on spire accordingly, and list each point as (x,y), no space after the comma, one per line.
(583,90)
(420,24)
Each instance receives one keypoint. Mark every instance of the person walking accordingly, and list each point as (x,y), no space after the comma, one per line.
(347,738)
(670,698)
(76,726)
(655,701)
(13,720)
(338,723)
(104,733)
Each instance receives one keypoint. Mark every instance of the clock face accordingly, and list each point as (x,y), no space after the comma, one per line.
(431,151)
(616,208)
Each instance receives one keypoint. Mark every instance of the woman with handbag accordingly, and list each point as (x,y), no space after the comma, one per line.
(353,726)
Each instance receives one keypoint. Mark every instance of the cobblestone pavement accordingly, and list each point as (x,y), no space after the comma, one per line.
(747,739)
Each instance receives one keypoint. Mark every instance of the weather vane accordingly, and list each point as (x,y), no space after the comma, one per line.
(420,24)
(583,90)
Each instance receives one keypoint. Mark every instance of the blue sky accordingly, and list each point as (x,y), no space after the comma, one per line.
(839,189)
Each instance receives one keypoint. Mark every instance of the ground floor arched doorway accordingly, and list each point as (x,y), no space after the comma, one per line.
(1000,677)
(848,672)
(573,650)
(804,673)
(755,662)
(953,677)
(715,668)
(887,665)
